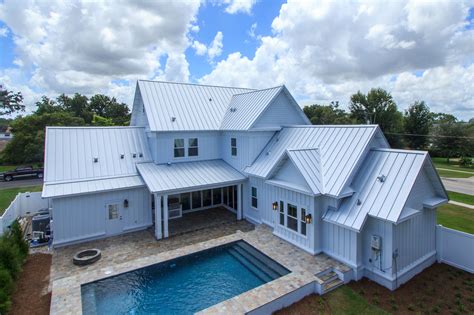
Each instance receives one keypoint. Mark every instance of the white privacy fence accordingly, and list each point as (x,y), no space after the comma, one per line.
(455,248)
(24,204)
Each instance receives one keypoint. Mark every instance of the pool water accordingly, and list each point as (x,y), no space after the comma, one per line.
(183,285)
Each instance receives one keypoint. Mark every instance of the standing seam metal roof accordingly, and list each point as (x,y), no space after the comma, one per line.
(308,162)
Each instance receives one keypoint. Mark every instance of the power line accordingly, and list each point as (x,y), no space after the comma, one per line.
(428,136)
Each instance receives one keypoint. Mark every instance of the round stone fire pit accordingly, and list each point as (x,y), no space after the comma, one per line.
(86,257)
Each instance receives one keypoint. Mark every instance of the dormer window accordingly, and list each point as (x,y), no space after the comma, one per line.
(193,147)
(178,148)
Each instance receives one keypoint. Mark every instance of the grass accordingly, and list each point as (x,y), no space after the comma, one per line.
(454,166)
(451,174)
(464,198)
(456,217)
(4,168)
(9,194)
(346,301)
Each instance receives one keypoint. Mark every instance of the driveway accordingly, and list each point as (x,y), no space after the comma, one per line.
(460,185)
(21,183)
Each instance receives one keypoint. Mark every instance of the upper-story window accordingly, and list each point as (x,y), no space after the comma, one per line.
(193,149)
(233,146)
(178,148)
(254,197)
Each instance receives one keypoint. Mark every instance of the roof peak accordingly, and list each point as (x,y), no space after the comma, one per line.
(197,84)
(260,90)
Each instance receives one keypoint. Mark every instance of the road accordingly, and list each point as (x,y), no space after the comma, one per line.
(460,185)
(21,183)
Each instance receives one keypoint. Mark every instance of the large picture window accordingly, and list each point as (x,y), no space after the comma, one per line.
(178,148)
(233,146)
(292,217)
(193,145)
(254,197)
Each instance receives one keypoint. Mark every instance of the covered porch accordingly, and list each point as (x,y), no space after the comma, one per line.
(188,196)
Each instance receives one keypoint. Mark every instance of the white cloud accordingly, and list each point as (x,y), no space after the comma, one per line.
(238,6)
(3,32)
(83,46)
(327,50)
(252,30)
(200,48)
(214,50)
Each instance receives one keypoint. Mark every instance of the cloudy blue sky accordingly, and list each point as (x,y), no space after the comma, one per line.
(322,50)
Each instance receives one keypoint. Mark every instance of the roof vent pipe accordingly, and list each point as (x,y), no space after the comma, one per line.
(95,160)
(381,178)
(173,119)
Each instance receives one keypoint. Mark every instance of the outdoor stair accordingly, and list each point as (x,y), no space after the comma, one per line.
(330,281)
(260,265)
(250,266)
(268,262)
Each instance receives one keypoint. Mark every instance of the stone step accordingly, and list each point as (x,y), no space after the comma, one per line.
(328,276)
(331,285)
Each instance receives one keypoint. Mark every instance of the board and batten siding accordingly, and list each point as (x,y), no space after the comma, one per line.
(139,117)
(267,194)
(249,146)
(341,243)
(280,112)
(85,217)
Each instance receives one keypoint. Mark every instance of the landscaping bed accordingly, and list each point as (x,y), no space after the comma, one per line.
(31,294)
(440,289)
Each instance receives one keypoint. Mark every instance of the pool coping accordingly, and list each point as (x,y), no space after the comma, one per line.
(66,292)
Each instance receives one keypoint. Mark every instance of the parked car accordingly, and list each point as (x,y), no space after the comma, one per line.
(22,172)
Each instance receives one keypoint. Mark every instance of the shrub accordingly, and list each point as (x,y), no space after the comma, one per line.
(10,257)
(465,161)
(5,302)
(6,281)
(17,235)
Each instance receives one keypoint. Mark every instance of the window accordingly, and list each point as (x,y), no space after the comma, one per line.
(233,146)
(303,221)
(113,211)
(193,147)
(206,198)
(216,196)
(196,195)
(178,148)
(254,197)
(282,213)
(185,201)
(292,217)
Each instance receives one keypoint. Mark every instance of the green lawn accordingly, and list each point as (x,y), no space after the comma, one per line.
(464,198)
(344,300)
(451,174)
(455,217)
(4,168)
(7,195)
(452,165)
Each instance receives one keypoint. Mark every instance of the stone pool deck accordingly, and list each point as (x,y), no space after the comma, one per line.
(140,249)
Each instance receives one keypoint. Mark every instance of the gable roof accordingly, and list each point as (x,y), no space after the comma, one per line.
(340,148)
(185,107)
(386,198)
(308,162)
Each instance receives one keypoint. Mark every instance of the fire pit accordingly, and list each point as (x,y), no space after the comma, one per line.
(86,257)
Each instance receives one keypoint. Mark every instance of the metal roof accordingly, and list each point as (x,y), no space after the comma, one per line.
(185,107)
(70,152)
(340,148)
(308,162)
(245,108)
(91,186)
(198,175)
(383,185)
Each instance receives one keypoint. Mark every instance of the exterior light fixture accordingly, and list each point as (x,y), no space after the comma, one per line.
(95,160)
(308,218)
(275,205)
(125,203)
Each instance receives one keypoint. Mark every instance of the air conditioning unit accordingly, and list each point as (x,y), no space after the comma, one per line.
(376,242)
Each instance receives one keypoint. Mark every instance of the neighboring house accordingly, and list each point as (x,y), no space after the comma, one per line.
(5,133)
(339,190)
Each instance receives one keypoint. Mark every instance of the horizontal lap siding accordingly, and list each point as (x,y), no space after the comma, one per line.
(85,216)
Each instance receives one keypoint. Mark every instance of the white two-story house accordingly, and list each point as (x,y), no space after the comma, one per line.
(339,190)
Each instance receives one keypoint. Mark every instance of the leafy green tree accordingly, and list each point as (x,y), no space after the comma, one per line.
(107,107)
(28,143)
(418,121)
(48,106)
(452,140)
(10,102)
(443,118)
(378,107)
(327,114)
(101,121)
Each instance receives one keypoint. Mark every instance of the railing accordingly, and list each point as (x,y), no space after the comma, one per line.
(455,248)
(24,204)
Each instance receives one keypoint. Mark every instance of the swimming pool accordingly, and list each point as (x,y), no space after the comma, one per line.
(183,285)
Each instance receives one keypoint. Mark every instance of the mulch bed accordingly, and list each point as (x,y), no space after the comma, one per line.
(439,289)
(31,294)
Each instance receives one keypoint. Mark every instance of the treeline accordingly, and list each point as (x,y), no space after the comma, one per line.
(27,145)
(416,128)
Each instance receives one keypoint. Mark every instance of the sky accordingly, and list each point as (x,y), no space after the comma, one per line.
(321,50)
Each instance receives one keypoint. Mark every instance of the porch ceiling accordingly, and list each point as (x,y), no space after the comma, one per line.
(185,176)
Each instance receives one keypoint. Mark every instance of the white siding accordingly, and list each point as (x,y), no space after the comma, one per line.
(340,243)
(280,112)
(384,229)
(290,174)
(82,217)
(138,111)
(249,146)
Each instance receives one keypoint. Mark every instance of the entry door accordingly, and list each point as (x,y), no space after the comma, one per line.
(113,213)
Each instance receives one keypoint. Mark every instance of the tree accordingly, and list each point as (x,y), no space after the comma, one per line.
(442,118)
(28,143)
(107,107)
(418,120)
(10,102)
(327,114)
(101,121)
(452,140)
(378,107)
(48,106)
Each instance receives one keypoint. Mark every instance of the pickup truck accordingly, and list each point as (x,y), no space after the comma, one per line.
(22,172)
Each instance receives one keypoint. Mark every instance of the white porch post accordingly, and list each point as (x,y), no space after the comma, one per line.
(165,216)
(158,231)
(239,202)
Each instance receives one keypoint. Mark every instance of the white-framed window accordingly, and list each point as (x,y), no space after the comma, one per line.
(303,221)
(282,213)
(113,211)
(233,146)
(254,198)
(292,217)
(178,148)
(193,147)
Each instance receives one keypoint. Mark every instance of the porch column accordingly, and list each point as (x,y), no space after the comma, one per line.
(158,231)
(165,216)
(239,202)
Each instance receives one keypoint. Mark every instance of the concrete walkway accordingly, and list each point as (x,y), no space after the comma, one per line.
(465,205)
